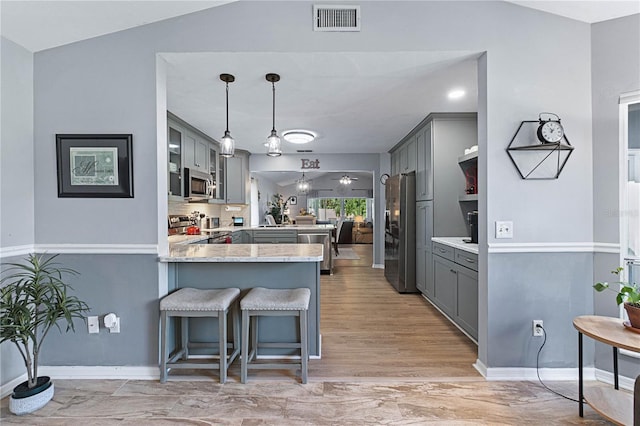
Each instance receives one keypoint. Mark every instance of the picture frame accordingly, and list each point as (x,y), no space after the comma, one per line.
(95,165)
(293,200)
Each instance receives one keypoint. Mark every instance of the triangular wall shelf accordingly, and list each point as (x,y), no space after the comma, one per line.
(536,160)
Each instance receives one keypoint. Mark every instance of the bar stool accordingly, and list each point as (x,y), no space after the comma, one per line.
(273,302)
(189,303)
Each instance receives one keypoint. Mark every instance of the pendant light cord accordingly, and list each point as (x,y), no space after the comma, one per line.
(227,107)
(273,88)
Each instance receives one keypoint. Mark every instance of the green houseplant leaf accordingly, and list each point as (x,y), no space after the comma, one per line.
(625,292)
(33,299)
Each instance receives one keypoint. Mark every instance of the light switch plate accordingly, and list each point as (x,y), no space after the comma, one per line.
(504,229)
(94,325)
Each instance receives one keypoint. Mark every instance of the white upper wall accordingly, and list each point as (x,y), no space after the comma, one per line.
(16,147)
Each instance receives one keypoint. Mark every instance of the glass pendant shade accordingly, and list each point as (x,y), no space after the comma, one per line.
(227,145)
(303,186)
(273,145)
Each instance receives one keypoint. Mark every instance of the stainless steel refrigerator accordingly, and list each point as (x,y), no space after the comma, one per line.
(400,232)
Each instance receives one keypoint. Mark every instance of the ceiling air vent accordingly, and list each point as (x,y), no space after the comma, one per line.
(336,18)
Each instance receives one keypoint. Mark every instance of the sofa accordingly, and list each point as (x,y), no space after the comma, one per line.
(363,233)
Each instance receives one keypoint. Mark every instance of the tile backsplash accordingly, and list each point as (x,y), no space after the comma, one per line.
(212,210)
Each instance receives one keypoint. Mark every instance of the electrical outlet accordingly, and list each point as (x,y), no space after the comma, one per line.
(538,328)
(504,229)
(94,324)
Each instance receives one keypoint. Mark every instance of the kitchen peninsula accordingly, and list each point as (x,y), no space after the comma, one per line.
(245,266)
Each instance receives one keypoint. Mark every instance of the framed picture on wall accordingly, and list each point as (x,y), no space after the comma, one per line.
(293,200)
(94,166)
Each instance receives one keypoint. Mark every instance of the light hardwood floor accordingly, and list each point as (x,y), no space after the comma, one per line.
(386,359)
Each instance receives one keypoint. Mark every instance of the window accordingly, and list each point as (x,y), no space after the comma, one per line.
(347,207)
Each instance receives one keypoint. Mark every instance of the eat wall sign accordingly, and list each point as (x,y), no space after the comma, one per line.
(310,164)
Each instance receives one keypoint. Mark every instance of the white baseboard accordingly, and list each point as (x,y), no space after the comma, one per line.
(7,388)
(546,374)
(378,266)
(101,372)
(624,382)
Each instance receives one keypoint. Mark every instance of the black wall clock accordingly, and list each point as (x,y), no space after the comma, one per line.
(550,131)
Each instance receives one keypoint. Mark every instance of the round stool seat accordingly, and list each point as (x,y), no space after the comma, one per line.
(267,299)
(192,299)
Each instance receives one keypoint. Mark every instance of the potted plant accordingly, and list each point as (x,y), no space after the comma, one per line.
(34,298)
(277,208)
(628,293)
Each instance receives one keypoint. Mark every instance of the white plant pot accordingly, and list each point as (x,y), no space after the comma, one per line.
(31,403)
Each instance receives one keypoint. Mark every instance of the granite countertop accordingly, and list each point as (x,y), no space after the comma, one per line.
(457,242)
(193,239)
(248,253)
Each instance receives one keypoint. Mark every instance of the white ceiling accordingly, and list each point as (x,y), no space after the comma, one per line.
(357,102)
(39,25)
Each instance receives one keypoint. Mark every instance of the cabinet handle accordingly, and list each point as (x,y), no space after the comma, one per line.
(469,260)
(442,250)
(454,271)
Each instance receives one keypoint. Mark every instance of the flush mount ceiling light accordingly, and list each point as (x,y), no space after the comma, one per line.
(456,94)
(273,141)
(298,136)
(303,186)
(227,144)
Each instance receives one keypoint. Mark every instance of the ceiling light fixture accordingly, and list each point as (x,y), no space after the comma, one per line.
(298,136)
(456,94)
(303,186)
(345,180)
(227,144)
(273,141)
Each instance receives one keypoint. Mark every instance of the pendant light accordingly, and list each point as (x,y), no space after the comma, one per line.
(303,186)
(273,141)
(227,144)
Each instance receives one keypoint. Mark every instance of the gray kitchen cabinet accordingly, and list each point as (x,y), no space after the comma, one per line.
(467,300)
(174,171)
(424,260)
(445,277)
(395,163)
(408,156)
(456,286)
(241,236)
(237,180)
(196,152)
(424,175)
(275,236)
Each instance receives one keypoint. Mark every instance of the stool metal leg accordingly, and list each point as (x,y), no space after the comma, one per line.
(163,346)
(304,346)
(184,324)
(245,346)
(254,320)
(222,343)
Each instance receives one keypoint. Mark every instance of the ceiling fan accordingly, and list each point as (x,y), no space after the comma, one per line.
(346,179)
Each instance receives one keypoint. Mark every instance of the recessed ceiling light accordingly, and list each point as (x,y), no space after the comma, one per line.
(456,94)
(298,136)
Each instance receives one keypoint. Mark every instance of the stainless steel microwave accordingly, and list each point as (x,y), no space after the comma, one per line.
(197,185)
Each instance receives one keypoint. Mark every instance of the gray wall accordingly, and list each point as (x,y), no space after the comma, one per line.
(16,169)
(16,146)
(615,70)
(111,87)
